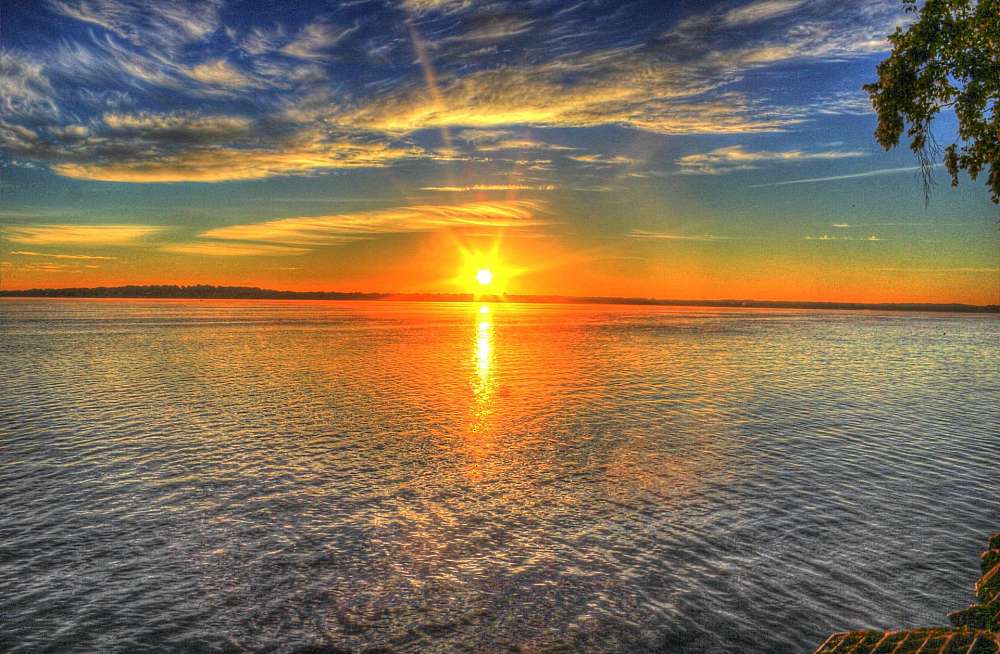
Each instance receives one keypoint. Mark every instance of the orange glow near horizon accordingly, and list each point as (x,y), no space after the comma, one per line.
(456,261)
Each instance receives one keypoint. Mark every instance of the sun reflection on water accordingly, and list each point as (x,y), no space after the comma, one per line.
(480,440)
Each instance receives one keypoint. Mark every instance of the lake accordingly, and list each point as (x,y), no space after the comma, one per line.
(432,477)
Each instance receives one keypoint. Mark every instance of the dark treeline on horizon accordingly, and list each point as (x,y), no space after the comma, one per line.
(209,292)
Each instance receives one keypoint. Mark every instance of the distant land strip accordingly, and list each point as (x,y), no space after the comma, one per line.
(207,292)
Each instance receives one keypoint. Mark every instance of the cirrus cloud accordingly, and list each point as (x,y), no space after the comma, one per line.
(79,234)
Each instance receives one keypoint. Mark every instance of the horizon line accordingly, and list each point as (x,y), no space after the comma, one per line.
(215,292)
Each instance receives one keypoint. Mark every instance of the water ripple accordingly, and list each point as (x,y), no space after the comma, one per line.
(294,476)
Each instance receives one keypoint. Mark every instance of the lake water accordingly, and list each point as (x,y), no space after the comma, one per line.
(423,477)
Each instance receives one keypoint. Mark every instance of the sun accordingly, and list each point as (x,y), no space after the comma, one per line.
(483,273)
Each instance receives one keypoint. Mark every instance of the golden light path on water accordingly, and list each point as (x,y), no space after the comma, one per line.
(483,388)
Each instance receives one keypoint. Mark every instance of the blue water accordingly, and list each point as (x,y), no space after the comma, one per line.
(421,477)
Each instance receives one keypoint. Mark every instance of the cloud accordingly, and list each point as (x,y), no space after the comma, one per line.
(821,30)
(259,40)
(69,132)
(310,111)
(25,90)
(851,103)
(145,147)
(827,237)
(832,178)
(223,164)
(217,249)
(315,39)
(665,236)
(47,266)
(316,230)
(494,29)
(495,140)
(16,138)
(180,127)
(26,253)
(444,6)
(759,11)
(164,25)
(604,160)
(490,187)
(219,72)
(736,157)
(612,87)
(79,234)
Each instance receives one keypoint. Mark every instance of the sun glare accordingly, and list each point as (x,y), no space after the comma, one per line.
(483,273)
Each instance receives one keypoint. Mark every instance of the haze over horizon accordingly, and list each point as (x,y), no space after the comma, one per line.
(688,151)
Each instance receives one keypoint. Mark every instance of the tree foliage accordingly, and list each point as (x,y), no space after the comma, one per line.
(949,57)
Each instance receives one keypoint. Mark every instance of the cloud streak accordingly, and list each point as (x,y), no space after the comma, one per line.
(79,234)
(736,157)
(298,235)
(82,257)
(667,236)
(833,178)
(489,187)
(338,228)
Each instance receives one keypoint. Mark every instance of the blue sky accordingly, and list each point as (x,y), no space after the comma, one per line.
(683,149)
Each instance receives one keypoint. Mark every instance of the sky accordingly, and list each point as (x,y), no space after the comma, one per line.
(683,150)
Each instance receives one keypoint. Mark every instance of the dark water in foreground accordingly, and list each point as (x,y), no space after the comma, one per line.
(428,478)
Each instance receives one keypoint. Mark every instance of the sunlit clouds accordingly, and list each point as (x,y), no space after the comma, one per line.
(682,82)
(45,255)
(221,249)
(79,234)
(489,187)
(312,231)
(225,164)
(667,236)
(736,157)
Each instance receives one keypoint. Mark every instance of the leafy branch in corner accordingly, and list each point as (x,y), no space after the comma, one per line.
(948,58)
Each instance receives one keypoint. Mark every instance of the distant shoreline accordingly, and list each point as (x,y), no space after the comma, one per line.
(205,292)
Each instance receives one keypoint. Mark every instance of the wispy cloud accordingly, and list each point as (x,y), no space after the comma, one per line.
(25,89)
(609,88)
(667,236)
(315,40)
(833,178)
(759,11)
(827,237)
(736,157)
(79,234)
(181,127)
(219,72)
(309,110)
(303,155)
(317,230)
(48,266)
(604,159)
(422,6)
(223,249)
(490,187)
(494,140)
(165,25)
(82,257)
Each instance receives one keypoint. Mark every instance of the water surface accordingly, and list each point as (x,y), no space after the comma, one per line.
(422,477)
